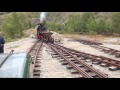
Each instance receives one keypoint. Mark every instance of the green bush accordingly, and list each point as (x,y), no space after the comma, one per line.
(91,26)
(14,25)
(53,26)
(88,23)
(116,22)
(78,23)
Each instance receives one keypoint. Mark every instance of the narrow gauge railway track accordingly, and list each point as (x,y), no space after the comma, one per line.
(78,65)
(35,52)
(108,50)
(103,61)
(86,42)
(102,48)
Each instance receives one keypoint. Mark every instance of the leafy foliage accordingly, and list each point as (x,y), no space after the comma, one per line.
(14,25)
(116,22)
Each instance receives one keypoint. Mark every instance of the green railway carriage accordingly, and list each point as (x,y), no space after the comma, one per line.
(17,65)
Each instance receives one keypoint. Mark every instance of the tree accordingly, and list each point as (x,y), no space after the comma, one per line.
(14,25)
(91,26)
(116,22)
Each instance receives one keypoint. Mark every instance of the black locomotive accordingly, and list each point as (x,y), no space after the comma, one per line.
(43,34)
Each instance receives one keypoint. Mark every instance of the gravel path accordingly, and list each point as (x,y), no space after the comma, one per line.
(21,45)
(117,47)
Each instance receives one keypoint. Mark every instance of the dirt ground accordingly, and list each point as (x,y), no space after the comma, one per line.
(48,64)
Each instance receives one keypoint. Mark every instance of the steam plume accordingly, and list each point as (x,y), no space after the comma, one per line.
(42,17)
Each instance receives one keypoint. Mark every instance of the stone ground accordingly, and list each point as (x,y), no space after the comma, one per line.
(51,67)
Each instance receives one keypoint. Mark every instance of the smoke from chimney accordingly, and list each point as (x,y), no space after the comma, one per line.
(42,17)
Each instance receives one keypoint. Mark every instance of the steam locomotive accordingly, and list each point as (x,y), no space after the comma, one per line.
(43,34)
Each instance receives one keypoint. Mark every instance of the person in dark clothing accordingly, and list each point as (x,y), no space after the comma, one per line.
(2,42)
(42,28)
(38,29)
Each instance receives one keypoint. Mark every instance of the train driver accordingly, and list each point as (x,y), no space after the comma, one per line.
(2,42)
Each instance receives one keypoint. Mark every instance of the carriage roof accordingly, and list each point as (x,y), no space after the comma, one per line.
(13,66)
